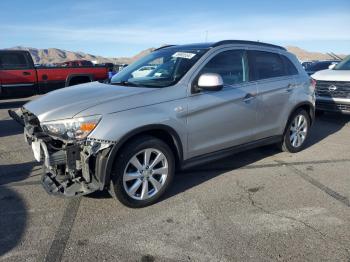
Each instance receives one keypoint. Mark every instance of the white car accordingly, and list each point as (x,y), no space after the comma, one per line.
(333,88)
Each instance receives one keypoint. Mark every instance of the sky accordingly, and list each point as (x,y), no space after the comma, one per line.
(123,28)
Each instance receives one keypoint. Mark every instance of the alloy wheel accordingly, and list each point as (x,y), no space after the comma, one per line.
(298,131)
(145,174)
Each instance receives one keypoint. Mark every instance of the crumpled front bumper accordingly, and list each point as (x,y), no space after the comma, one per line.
(78,177)
(69,169)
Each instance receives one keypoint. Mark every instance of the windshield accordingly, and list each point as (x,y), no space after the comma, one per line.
(159,69)
(343,65)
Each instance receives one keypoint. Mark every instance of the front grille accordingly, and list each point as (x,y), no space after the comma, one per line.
(329,106)
(341,89)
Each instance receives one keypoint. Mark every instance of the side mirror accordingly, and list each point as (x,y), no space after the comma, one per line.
(210,82)
(332,66)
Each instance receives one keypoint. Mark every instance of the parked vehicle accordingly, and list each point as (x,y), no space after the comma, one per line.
(333,88)
(200,103)
(319,65)
(19,76)
(306,64)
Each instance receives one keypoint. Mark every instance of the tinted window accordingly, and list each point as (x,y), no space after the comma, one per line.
(13,61)
(266,65)
(230,65)
(86,63)
(290,68)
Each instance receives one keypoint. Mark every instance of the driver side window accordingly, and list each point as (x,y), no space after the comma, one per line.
(230,65)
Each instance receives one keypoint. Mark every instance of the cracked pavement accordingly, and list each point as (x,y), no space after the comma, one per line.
(259,205)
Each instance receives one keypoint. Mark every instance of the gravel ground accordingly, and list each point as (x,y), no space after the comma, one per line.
(260,205)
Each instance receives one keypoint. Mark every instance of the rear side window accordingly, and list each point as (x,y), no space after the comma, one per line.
(13,61)
(290,67)
(231,65)
(265,65)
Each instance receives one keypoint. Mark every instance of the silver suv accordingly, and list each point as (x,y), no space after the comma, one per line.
(197,103)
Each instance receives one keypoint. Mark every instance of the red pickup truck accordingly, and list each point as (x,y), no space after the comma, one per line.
(19,76)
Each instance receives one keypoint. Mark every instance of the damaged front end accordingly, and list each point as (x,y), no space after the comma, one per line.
(70,167)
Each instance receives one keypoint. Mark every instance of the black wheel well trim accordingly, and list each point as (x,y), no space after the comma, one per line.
(70,77)
(108,165)
(310,110)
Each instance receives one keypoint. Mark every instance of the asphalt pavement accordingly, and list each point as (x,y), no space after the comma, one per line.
(259,205)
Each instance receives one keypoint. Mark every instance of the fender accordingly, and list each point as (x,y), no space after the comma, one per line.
(106,158)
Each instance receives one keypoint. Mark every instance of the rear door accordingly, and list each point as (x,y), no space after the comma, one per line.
(17,73)
(275,87)
(221,119)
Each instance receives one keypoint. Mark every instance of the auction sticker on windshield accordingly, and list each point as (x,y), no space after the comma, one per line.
(184,55)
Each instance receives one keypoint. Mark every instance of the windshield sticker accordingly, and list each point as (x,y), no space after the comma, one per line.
(184,55)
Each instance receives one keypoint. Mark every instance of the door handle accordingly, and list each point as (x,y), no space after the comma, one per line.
(26,73)
(249,97)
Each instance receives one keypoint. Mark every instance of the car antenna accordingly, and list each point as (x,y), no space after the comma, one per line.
(336,56)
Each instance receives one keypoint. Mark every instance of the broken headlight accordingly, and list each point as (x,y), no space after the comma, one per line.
(71,129)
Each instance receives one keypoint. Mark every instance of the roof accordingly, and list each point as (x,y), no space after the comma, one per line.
(188,46)
(224,42)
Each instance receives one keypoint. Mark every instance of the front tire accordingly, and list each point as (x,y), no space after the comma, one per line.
(142,172)
(296,132)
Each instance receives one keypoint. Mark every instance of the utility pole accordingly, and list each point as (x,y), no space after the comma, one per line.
(206,36)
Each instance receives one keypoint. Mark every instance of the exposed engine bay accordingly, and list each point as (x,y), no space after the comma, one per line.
(69,167)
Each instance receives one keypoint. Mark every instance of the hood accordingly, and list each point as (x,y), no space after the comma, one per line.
(332,75)
(70,101)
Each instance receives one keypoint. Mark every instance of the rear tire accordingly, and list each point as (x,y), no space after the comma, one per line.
(142,172)
(296,132)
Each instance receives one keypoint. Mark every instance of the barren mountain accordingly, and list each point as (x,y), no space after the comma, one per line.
(306,55)
(54,55)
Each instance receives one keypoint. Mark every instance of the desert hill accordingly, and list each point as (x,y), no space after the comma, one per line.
(307,55)
(55,55)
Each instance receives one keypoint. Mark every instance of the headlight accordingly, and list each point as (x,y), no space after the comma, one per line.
(71,129)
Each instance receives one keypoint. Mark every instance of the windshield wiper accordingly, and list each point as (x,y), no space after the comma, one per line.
(124,83)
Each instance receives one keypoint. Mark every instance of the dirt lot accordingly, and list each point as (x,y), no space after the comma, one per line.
(259,205)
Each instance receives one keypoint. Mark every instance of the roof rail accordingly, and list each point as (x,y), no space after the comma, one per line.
(164,46)
(227,42)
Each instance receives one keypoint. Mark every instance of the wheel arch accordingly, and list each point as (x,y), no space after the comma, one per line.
(308,107)
(73,76)
(162,132)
